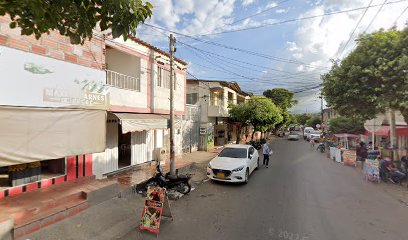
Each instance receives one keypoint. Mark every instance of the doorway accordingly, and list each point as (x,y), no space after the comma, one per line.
(125,150)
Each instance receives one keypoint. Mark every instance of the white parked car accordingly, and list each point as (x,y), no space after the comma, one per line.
(234,163)
(306,131)
(293,135)
(313,134)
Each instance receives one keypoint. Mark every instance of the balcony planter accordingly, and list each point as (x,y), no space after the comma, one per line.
(33,172)
(17,174)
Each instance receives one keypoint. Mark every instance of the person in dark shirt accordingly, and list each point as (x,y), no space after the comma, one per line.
(396,176)
(404,161)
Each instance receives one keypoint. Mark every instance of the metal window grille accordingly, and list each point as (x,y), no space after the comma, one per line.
(123,81)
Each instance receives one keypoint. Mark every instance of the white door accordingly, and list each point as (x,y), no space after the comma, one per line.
(142,146)
(139,147)
(111,152)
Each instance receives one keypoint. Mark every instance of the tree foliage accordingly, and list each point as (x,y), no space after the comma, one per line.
(76,18)
(346,125)
(313,121)
(281,97)
(372,78)
(259,112)
(302,118)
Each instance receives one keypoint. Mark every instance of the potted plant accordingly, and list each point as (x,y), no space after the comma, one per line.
(17,174)
(33,171)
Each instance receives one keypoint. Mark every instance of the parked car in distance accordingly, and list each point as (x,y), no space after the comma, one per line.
(306,131)
(293,135)
(234,163)
(313,134)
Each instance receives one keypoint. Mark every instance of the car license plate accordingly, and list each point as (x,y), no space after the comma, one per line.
(220,175)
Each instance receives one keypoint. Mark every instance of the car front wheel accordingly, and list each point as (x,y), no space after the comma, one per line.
(246,176)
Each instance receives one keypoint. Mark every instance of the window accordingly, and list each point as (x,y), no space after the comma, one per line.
(192,98)
(251,151)
(233,153)
(163,78)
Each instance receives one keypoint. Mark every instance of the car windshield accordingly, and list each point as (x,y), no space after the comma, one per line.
(233,153)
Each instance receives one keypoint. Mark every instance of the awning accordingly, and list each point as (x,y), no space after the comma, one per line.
(132,122)
(402,131)
(35,134)
(346,135)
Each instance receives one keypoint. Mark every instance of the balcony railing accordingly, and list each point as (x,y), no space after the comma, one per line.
(123,81)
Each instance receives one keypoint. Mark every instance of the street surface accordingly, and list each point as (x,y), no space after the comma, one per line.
(302,195)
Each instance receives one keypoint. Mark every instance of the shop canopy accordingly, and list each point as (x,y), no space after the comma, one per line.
(132,122)
(346,135)
(36,134)
(402,131)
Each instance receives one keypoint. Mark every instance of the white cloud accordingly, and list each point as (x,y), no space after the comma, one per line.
(319,39)
(271,5)
(246,3)
(281,10)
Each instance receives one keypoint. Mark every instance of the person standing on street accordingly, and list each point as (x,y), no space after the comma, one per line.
(266,152)
(312,143)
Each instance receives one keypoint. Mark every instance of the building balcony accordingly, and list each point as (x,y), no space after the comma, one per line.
(217,111)
(122,81)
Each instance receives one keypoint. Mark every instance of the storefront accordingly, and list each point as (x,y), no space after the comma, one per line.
(51,122)
(131,139)
(383,140)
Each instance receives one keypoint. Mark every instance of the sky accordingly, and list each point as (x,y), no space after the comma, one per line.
(262,44)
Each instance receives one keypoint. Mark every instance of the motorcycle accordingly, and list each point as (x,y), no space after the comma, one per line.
(321,148)
(256,145)
(180,183)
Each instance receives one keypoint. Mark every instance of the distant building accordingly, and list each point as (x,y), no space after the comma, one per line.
(328,114)
(213,98)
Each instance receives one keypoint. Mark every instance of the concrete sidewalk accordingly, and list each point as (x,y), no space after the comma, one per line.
(111,218)
(33,211)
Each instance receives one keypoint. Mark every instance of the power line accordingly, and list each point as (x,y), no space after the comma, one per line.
(239,49)
(355,28)
(300,19)
(289,74)
(256,14)
(402,13)
(375,16)
(222,69)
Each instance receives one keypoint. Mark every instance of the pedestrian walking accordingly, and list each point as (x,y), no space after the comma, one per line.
(266,152)
(312,143)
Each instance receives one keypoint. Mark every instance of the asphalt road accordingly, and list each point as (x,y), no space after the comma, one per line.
(302,195)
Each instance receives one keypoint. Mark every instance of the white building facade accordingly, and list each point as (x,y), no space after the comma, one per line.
(138,76)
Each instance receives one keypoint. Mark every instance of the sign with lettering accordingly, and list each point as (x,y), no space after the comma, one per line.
(156,206)
(349,158)
(32,80)
(372,170)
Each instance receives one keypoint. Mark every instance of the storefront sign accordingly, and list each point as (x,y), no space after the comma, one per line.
(32,80)
(203,130)
(349,158)
(372,170)
(156,206)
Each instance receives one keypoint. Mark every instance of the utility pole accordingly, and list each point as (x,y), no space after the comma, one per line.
(321,107)
(172,84)
(393,133)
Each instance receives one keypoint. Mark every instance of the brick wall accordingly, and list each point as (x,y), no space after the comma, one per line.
(91,54)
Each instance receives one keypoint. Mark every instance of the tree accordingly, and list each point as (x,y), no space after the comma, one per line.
(76,18)
(371,79)
(259,112)
(313,121)
(281,97)
(346,125)
(287,119)
(302,118)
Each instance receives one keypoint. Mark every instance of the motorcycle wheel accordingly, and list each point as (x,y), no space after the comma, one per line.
(183,188)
